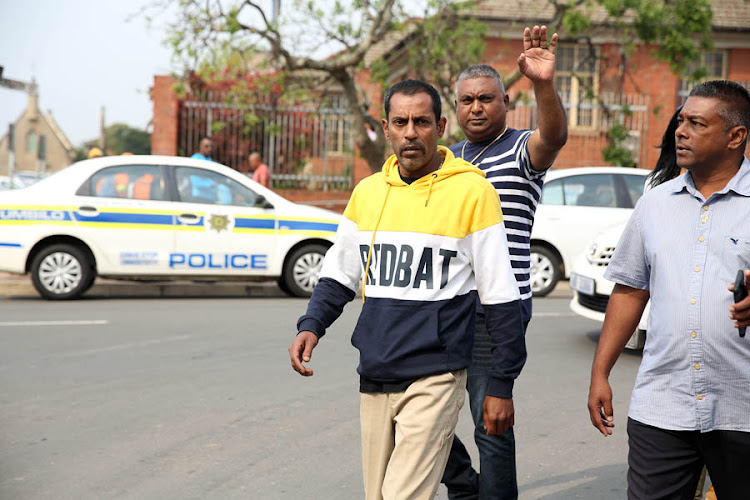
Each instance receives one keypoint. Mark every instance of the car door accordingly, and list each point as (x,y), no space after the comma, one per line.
(223,227)
(124,213)
(574,209)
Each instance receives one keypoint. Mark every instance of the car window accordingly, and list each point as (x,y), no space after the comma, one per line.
(196,185)
(552,194)
(135,182)
(634,185)
(590,190)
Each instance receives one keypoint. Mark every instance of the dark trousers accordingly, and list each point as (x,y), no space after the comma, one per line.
(664,464)
(497,454)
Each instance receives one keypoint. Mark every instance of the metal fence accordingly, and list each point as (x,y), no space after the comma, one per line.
(304,147)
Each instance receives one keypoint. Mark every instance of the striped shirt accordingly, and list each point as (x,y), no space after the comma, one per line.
(507,166)
(686,250)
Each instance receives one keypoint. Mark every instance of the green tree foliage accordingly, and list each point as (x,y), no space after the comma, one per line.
(123,138)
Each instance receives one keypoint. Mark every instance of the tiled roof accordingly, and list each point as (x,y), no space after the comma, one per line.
(727,14)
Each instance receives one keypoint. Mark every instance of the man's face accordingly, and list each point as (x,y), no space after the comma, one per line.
(480,108)
(700,137)
(413,131)
(254,161)
(206,147)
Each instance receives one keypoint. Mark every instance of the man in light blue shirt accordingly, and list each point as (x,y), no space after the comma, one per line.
(205,148)
(682,248)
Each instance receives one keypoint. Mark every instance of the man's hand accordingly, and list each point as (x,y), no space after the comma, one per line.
(499,415)
(537,62)
(301,351)
(600,405)
(740,311)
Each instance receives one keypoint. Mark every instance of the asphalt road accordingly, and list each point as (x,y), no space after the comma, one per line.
(195,399)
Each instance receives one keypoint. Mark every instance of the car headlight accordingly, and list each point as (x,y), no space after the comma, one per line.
(592,251)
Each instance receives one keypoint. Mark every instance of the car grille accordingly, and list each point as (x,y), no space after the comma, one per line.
(597,302)
(603,257)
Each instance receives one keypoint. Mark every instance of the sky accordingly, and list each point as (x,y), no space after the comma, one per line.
(84,54)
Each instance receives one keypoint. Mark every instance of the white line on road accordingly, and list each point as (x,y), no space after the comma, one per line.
(120,347)
(552,315)
(56,323)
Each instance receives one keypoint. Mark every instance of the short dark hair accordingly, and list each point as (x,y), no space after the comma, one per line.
(411,87)
(204,137)
(735,110)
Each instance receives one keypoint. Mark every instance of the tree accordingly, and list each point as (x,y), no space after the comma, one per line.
(120,138)
(313,46)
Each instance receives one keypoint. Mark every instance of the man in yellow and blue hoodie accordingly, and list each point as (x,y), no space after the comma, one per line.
(422,236)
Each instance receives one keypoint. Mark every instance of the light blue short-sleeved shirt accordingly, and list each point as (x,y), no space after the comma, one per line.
(686,250)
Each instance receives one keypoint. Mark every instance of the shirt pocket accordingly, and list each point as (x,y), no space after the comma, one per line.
(735,256)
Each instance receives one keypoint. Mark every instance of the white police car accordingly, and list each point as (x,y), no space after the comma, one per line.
(158,217)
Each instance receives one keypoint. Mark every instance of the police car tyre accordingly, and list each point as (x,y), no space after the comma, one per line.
(302,270)
(61,272)
(545,271)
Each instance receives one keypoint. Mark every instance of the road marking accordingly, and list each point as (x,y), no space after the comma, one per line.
(56,323)
(552,315)
(120,347)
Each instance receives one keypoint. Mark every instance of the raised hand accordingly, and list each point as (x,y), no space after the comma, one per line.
(537,62)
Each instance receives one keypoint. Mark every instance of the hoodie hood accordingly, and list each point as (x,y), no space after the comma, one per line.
(451,166)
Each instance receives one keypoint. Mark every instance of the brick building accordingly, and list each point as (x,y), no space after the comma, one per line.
(637,81)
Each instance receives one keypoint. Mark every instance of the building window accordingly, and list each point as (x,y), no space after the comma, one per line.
(577,80)
(338,124)
(32,142)
(715,62)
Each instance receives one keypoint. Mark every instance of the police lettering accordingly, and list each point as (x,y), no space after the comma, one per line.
(32,215)
(393,266)
(218,261)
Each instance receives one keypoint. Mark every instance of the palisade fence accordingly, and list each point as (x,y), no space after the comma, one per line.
(304,147)
(588,124)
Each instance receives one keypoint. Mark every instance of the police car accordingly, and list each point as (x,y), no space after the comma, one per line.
(158,217)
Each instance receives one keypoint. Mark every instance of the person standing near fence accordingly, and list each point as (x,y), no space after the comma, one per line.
(261,173)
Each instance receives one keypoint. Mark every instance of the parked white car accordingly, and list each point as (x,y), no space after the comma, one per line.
(591,291)
(158,217)
(576,205)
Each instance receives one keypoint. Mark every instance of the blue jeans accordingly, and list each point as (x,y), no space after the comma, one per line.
(497,454)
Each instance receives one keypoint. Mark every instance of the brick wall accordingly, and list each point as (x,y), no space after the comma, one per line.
(166,109)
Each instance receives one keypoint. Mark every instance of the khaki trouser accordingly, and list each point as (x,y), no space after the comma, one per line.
(407,436)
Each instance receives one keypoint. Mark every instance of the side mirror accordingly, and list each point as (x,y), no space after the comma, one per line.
(261,202)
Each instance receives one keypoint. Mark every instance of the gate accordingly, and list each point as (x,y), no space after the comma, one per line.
(304,147)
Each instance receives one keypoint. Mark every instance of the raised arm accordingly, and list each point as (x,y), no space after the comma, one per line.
(537,63)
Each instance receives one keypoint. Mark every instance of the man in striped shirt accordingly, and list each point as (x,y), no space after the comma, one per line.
(515,162)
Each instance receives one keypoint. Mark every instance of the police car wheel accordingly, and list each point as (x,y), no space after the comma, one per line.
(302,270)
(545,271)
(61,272)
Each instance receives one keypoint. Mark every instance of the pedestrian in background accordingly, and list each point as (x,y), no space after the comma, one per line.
(261,173)
(205,149)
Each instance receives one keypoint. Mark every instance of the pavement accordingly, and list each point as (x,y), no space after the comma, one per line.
(15,285)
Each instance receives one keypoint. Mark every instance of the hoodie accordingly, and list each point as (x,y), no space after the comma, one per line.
(421,251)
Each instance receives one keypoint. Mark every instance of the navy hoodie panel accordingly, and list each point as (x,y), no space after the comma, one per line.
(400,339)
(507,344)
(326,304)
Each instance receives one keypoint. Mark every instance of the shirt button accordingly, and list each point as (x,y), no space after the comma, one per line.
(705,207)
(697,367)
(700,397)
(697,269)
(701,239)
(692,301)
(693,334)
